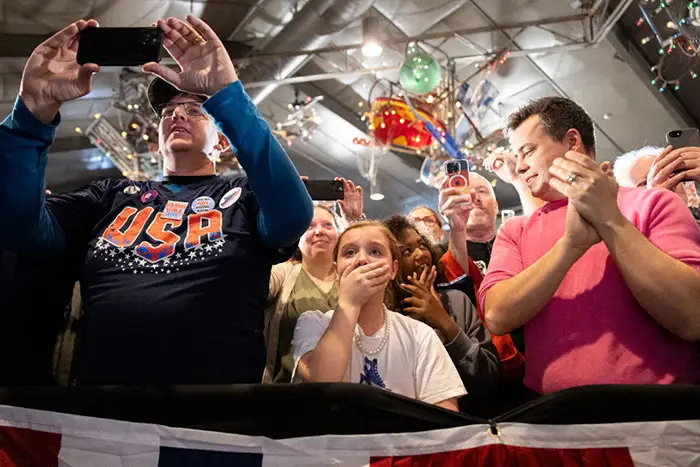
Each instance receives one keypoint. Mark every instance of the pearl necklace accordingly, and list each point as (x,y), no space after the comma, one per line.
(385,338)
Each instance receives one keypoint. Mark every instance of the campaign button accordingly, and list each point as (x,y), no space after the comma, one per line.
(149,196)
(174,210)
(203,204)
(230,197)
(131,190)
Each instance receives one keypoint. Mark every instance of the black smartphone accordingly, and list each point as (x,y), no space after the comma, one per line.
(683,138)
(325,190)
(119,46)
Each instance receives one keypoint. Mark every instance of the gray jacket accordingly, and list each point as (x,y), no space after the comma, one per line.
(471,351)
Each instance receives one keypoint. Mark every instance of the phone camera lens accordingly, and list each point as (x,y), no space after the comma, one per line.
(676,134)
(150,37)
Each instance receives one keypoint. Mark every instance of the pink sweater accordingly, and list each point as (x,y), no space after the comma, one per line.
(593,331)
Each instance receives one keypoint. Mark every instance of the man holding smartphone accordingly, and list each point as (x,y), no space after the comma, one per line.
(175,273)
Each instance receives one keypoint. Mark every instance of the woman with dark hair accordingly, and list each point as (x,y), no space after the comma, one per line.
(449,312)
(308,282)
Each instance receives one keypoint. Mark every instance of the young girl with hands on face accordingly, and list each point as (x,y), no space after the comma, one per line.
(362,341)
(449,312)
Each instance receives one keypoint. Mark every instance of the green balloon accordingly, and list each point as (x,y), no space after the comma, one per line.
(420,73)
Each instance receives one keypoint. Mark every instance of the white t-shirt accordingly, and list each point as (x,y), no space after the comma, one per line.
(413,362)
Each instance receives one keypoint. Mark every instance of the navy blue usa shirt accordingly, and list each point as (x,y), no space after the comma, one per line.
(176,274)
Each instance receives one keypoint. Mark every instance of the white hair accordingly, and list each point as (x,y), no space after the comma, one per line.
(625,162)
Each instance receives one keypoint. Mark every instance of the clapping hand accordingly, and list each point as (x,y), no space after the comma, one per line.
(588,186)
(205,65)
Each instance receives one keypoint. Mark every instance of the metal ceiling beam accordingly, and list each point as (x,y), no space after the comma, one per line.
(22,45)
(329,101)
(422,37)
(320,77)
(541,71)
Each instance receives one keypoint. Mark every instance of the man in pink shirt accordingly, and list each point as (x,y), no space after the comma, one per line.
(605,279)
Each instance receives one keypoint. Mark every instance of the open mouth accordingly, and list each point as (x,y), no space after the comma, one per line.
(178,131)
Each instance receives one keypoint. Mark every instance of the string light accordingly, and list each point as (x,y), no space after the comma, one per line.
(676,87)
(97,115)
(123,134)
(78,130)
(640,21)
(645,40)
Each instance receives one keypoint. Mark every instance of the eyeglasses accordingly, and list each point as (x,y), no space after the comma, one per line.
(430,220)
(192,109)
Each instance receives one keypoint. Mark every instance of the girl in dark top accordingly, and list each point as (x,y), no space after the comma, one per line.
(449,312)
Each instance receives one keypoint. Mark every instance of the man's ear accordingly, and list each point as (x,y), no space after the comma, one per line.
(223,143)
(574,140)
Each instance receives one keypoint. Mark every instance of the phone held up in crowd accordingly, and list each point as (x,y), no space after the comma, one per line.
(325,190)
(688,137)
(457,174)
(119,46)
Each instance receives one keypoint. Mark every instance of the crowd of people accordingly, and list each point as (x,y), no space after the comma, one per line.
(201,279)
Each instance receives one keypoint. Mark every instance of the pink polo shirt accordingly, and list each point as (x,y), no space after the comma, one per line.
(593,331)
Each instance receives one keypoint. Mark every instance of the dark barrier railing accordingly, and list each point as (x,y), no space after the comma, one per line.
(285,411)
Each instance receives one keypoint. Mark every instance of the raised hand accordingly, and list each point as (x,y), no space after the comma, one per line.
(52,74)
(672,167)
(424,304)
(205,65)
(352,204)
(456,205)
(502,163)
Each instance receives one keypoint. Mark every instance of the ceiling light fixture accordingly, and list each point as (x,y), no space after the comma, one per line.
(375,193)
(371,37)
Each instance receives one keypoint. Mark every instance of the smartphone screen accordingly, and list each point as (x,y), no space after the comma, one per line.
(325,190)
(119,46)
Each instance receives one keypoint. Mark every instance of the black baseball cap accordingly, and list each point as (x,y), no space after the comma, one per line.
(161,92)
